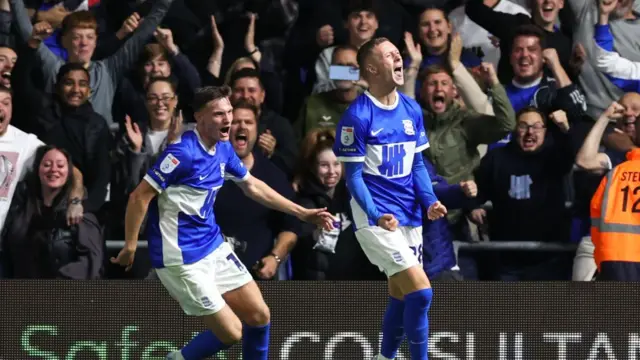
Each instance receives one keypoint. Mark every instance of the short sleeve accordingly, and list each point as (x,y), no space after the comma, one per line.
(234,169)
(351,135)
(171,166)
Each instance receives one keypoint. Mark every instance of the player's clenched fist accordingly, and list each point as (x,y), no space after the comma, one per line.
(388,222)
(436,211)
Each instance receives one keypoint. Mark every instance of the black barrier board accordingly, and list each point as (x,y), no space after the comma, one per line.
(126,320)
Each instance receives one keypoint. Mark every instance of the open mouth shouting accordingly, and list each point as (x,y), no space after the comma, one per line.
(240,140)
(438,102)
(224,132)
(529,141)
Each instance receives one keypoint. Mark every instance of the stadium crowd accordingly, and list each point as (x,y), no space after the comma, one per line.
(518,98)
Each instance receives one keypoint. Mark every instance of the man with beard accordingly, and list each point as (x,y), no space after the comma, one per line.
(593,160)
(524,182)
(624,26)
(503,26)
(276,139)
(531,87)
(324,109)
(247,225)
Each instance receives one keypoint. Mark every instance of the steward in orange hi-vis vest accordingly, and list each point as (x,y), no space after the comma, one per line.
(615,222)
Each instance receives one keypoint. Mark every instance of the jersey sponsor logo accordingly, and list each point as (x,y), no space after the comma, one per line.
(408,127)
(374,133)
(169,164)
(222,167)
(346,136)
(392,160)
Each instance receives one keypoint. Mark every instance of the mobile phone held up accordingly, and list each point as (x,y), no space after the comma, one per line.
(341,72)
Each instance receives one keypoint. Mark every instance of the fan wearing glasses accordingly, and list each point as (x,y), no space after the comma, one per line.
(139,147)
(524,182)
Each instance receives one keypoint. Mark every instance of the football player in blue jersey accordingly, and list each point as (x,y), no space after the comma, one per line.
(381,139)
(186,247)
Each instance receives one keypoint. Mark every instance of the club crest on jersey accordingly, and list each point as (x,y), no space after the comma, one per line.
(169,164)
(408,127)
(222,166)
(346,136)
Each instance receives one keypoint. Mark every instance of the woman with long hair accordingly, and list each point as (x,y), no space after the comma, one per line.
(320,254)
(36,241)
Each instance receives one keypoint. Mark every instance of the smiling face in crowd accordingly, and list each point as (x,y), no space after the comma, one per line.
(161,101)
(328,169)
(361,25)
(75,89)
(526,58)
(434,30)
(545,12)
(53,170)
(248,89)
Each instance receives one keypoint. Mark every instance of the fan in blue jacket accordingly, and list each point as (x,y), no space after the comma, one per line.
(439,258)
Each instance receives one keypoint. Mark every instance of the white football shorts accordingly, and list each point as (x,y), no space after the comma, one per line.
(392,251)
(199,287)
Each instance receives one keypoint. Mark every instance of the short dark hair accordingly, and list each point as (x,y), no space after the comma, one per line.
(433,69)
(206,94)
(366,50)
(530,30)
(531,109)
(245,73)
(69,67)
(355,6)
(244,104)
(345,47)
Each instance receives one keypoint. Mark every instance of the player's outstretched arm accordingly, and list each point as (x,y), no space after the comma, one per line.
(136,211)
(258,191)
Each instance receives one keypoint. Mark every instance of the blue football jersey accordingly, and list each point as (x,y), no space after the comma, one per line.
(181,226)
(385,138)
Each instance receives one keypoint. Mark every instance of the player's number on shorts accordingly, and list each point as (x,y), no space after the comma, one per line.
(417,251)
(233,258)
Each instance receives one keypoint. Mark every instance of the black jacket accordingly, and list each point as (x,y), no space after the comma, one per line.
(526,191)
(85,135)
(42,246)
(349,261)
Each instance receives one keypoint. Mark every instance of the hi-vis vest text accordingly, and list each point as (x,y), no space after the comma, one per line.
(615,213)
